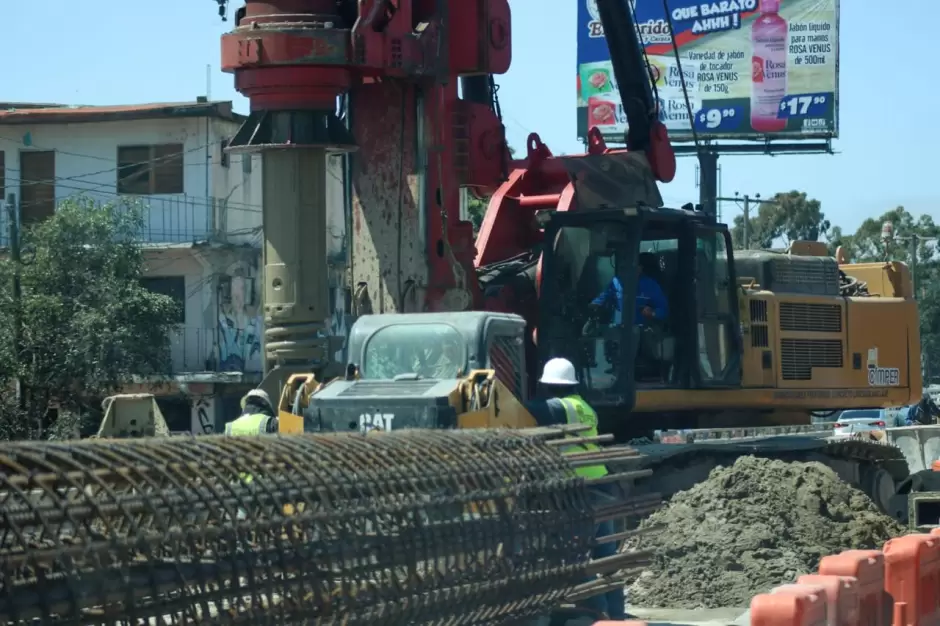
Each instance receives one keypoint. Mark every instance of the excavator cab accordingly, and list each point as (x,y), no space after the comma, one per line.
(639,299)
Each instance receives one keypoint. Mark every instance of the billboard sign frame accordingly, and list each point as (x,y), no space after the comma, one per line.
(799,102)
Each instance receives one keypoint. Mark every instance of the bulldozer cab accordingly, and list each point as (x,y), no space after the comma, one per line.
(410,366)
(639,298)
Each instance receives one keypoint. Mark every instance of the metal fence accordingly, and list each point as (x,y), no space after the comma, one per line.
(193,349)
(179,219)
(171,219)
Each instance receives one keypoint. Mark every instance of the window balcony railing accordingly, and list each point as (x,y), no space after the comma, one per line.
(173,219)
(197,349)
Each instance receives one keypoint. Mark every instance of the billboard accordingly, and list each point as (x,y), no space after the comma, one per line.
(752,68)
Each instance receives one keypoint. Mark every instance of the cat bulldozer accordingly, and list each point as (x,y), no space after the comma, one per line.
(754,345)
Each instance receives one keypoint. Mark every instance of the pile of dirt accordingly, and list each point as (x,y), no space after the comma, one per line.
(750,527)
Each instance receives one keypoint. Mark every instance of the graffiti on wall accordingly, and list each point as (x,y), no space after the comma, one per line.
(239,317)
(337,254)
(203,415)
(339,321)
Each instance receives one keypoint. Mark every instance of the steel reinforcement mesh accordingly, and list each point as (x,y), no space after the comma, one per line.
(415,527)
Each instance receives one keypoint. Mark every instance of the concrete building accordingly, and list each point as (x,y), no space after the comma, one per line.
(167,155)
(202,230)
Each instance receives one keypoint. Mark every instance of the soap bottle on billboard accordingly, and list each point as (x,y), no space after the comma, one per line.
(769,38)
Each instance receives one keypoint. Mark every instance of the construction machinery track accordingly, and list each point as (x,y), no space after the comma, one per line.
(875,467)
(413,527)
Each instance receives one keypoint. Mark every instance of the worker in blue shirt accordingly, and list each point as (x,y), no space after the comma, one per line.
(651,303)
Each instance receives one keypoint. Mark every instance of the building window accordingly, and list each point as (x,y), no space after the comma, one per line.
(172,286)
(246,162)
(3,177)
(150,170)
(37,185)
(225,159)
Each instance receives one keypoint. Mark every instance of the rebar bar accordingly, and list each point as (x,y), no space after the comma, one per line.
(410,527)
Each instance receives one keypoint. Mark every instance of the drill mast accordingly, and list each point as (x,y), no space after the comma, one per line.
(390,68)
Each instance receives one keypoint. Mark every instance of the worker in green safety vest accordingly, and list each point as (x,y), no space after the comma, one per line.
(257,418)
(560,403)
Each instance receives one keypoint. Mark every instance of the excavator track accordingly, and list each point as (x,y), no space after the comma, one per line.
(875,467)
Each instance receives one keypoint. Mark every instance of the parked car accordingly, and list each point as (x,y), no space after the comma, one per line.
(854,421)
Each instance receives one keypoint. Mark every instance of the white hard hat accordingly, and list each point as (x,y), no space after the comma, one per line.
(559,372)
(260,394)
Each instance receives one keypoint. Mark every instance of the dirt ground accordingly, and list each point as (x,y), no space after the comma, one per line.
(750,527)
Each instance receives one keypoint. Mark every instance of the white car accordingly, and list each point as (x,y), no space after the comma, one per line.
(854,422)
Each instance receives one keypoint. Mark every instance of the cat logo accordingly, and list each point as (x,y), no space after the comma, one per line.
(881,376)
(375,421)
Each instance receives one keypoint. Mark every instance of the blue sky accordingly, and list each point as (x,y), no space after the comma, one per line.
(122,52)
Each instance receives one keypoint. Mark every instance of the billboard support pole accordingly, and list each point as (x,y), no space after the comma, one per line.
(708,189)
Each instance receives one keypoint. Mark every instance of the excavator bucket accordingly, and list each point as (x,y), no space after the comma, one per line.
(131,415)
(613,181)
(919,444)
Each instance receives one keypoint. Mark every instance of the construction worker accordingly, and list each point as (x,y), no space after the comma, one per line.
(258,416)
(561,404)
(651,302)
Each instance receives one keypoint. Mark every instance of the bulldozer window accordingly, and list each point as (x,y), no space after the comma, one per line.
(656,340)
(585,311)
(716,318)
(435,351)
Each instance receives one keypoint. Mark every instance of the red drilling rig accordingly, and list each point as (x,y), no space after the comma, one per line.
(406,89)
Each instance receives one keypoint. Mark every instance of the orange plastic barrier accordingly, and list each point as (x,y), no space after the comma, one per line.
(912,576)
(841,597)
(867,567)
(791,605)
(896,586)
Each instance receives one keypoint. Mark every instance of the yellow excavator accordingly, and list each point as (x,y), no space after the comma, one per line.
(758,344)
(753,343)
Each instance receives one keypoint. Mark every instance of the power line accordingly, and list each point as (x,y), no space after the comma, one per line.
(180,199)
(149,162)
(96,186)
(747,200)
(98,157)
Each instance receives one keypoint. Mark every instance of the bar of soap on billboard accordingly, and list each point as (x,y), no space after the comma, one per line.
(752,69)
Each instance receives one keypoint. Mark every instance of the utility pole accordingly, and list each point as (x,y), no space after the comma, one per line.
(746,208)
(747,222)
(888,237)
(708,183)
(13,215)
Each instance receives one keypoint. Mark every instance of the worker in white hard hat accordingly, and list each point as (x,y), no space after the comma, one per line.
(560,403)
(258,416)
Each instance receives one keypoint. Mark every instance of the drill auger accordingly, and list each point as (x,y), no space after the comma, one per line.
(481,527)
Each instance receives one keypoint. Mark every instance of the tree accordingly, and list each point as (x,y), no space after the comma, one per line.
(867,244)
(911,233)
(787,217)
(476,207)
(88,325)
